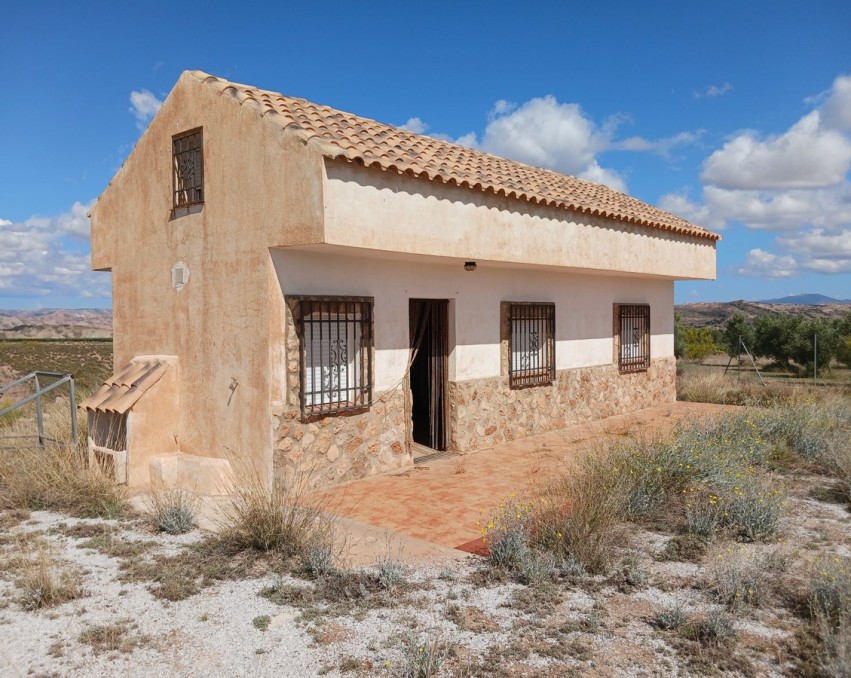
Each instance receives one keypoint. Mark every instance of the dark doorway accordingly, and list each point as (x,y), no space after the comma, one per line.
(430,350)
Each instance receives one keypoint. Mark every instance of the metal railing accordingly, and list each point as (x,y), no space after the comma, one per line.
(39,392)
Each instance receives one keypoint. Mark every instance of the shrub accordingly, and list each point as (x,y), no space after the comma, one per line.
(44,584)
(670,618)
(282,520)
(537,566)
(317,557)
(507,532)
(829,595)
(699,344)
(423,658)
(391,573)
(716,628)
(580,514)
(173,510)
(261,622)
(703,519)
(754,510)
(829,598)
(736,579)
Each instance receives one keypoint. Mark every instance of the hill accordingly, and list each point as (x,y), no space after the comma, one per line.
(57,323)
(716,313)
(807,299)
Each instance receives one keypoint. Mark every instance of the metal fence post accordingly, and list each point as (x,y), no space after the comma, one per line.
(73,398)
(39,414)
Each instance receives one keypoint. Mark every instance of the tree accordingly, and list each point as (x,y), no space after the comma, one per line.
(773,336)
(738,327)
(843,351)
(802,343)
(699,343)
(843,347)
(679,338)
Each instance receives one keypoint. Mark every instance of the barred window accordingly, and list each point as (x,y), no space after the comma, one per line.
(531,351)
(188,168)
(335,336)
(633,327)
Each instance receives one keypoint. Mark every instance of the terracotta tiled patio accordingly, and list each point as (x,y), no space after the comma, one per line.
(440,500)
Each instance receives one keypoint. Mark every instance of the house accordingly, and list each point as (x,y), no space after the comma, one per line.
(299,289)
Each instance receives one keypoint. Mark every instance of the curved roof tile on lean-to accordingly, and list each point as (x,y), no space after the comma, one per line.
(338,134)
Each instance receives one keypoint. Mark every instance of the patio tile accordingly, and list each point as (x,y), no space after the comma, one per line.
(437,504)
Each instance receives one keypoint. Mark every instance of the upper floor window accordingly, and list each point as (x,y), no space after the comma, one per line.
(335,337)
(188,169)
(633,334)
(531,350)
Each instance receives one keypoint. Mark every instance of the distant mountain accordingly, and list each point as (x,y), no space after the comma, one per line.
(716,313)
(57,323)
(807,300)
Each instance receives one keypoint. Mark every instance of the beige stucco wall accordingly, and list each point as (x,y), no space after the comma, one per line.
(583,306)
(153,426)
(261,187)
(431,218)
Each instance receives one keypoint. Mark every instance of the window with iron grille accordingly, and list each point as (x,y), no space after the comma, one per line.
(188,169)
(633,327)
(335,337)
(531,344)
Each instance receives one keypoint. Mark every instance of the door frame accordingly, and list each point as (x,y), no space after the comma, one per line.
(438,311)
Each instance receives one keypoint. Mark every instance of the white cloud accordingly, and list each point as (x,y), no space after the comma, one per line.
(469,140)
(714,91)
(39,257)
(544,132)
(808,155)
(662,146)
(501,107)
(144,106)
(837,106)
(696,213)
(821,251)
(795,183)
(761,264)
(601,175)
(415,125)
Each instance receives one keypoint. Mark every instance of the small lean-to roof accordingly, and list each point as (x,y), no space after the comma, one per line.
(343,135)
(124,388)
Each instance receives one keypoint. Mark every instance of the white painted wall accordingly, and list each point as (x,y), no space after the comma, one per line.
(385,211)
(583,306)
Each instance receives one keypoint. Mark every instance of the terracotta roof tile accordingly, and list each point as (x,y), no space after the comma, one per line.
(338,134)
(121,391)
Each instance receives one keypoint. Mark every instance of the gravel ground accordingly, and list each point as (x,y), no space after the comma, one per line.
(594,626)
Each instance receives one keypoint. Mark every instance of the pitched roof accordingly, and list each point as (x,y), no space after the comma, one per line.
(124,388)
(343,135)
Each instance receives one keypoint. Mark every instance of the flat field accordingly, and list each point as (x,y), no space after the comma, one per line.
(89,361)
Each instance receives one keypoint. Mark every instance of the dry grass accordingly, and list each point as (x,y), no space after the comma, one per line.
(581,515)
(57,476)
(117,637)
(43,582)
(284,519)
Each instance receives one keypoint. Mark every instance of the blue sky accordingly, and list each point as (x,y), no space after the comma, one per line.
(735,115)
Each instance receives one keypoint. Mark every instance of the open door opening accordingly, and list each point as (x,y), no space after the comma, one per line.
(430,350)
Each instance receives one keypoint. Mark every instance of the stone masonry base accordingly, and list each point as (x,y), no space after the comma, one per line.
(482,413)
(486,412)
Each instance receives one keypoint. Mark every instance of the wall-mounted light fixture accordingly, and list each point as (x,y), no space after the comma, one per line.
(469,265)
